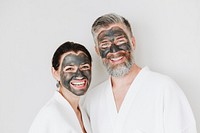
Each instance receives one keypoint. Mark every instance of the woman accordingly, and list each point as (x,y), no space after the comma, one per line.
(71,67)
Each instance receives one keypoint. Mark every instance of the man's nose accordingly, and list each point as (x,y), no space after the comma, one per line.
(114,48)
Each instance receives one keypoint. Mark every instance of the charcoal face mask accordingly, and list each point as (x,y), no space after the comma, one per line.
(110,35)
(67,77)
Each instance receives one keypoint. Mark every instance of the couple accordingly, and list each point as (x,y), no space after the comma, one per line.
(132,100)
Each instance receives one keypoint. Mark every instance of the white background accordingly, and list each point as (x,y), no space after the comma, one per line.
(167,35)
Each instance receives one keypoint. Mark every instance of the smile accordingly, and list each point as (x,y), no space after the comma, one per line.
(79,84)
(116,59)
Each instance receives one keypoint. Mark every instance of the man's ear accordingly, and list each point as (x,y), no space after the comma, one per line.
(133,42)
(97,50)
(55,74)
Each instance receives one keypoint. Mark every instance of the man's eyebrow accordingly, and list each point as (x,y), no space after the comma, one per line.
(120,35)
(103,34)
(104,39)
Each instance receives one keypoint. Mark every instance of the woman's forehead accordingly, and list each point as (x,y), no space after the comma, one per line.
(79,53)
(73,53)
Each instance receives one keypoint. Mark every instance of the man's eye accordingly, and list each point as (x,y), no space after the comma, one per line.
(121,41)
(104,45)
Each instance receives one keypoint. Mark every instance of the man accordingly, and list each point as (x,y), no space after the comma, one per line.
(133,99)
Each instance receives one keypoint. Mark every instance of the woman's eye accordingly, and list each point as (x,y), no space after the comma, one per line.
(68,69)
(85,67)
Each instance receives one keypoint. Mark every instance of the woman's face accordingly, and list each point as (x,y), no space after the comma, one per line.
(75,72)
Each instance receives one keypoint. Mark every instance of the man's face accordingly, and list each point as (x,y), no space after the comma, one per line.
(115,49)
(75,73)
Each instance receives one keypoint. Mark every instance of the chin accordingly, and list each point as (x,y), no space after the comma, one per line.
(79,92)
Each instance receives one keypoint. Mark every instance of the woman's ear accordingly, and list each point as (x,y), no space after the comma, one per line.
(55,74)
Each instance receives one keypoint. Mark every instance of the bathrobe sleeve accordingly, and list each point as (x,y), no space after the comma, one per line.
(178,116)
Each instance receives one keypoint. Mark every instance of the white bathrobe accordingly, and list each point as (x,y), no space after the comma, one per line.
(153,104)
(57,116)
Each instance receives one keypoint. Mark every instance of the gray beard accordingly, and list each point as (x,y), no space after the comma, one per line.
(120,70)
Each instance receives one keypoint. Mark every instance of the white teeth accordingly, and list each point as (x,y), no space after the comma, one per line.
(78,83)
(116,59)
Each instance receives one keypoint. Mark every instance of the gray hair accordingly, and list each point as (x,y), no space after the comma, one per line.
(108,19)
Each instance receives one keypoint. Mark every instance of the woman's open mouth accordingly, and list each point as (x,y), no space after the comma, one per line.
(79,84)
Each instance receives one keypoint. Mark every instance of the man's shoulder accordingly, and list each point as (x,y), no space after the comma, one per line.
(156,76)
(96,92)
(98,88)
(160,81)
(101,85)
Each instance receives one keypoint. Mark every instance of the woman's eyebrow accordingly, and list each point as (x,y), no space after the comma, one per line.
(69,65)
(85,63)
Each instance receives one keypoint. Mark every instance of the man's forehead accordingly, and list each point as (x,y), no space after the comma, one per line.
(103,29)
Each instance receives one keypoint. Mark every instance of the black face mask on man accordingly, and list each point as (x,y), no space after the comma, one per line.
(112,38)
(114,45)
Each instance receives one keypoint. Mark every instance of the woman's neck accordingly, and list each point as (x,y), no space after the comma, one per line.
(74,102)
(71,98)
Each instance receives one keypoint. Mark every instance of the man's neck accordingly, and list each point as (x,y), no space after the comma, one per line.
(120,85)
(127,79)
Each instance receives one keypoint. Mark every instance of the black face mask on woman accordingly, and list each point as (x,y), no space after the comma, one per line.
(75,73)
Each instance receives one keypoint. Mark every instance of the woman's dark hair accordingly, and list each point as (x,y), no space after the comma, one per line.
(67,47)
